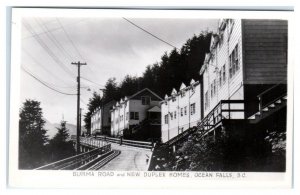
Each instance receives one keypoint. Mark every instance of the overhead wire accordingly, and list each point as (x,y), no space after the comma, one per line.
(54,29)
(160,39)
(45,83)
(73,44)
(92,81)
(69,38)
(49,51)
(44,68)
(51,36)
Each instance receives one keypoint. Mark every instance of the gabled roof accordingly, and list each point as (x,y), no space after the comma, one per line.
(182,86)
(174,91)
(166,96)
(154,109)
(145,89)
(192,81)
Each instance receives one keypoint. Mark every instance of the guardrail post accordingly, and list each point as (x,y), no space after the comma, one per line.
(259,104)
(229,111)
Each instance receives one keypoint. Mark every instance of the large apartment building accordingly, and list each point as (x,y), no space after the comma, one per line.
(244,72)
(181,110)
(246,58)
(131,111)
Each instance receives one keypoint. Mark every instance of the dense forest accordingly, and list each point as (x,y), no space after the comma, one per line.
(161,77)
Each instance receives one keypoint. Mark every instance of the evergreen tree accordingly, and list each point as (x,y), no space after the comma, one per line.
(32,136)
(60,145)
(174,68)
(111,90)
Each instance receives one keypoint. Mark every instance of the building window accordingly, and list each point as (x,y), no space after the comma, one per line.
(193,108)
(175,114)
(230,24)
(166,119)
(185,110)
(220,78)
(134,115)
(127,116)
(171,115)
(223,74)
(206,102)
(182,93)
(221,38)
(193,88)
(234,62)
(181,111)
(145,100)
(212,89)
(215,86)
(173,99)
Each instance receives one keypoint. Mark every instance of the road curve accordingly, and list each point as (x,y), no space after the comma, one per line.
(130,159)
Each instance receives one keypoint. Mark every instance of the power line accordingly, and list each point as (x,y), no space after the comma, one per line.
(69,38)
(46,69)
(48,50)
(44,83)
(150,33)
(72,42)
(92,82)
(53,29)
(54,40)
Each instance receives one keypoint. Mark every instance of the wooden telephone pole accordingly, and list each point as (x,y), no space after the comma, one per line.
(78,64)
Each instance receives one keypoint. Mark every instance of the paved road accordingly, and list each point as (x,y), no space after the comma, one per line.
(130,159)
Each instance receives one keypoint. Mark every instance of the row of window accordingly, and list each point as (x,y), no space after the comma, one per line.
(145,101)
(133,116)
(234,62)
(230,24)
(183,112)
(234,66)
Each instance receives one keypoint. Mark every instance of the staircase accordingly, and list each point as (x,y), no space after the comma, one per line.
(212,120)
(269,109)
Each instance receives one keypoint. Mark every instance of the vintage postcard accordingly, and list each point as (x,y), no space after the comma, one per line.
(150,98)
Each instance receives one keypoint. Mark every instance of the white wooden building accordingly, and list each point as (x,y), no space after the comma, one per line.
(130,111)
(246,58)
(100,119)
(181,111)
(96,121)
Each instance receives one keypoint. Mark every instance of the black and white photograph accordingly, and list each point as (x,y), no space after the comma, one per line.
(151,95)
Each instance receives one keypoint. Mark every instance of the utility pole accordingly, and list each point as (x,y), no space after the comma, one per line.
(78,64)
(80,112)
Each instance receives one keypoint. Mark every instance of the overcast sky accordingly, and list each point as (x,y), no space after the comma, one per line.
(111,47)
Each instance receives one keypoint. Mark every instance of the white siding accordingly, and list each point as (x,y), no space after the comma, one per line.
(119,113)
(232,88)
(96,120)
(176,104)
(164,125)
(173,122)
